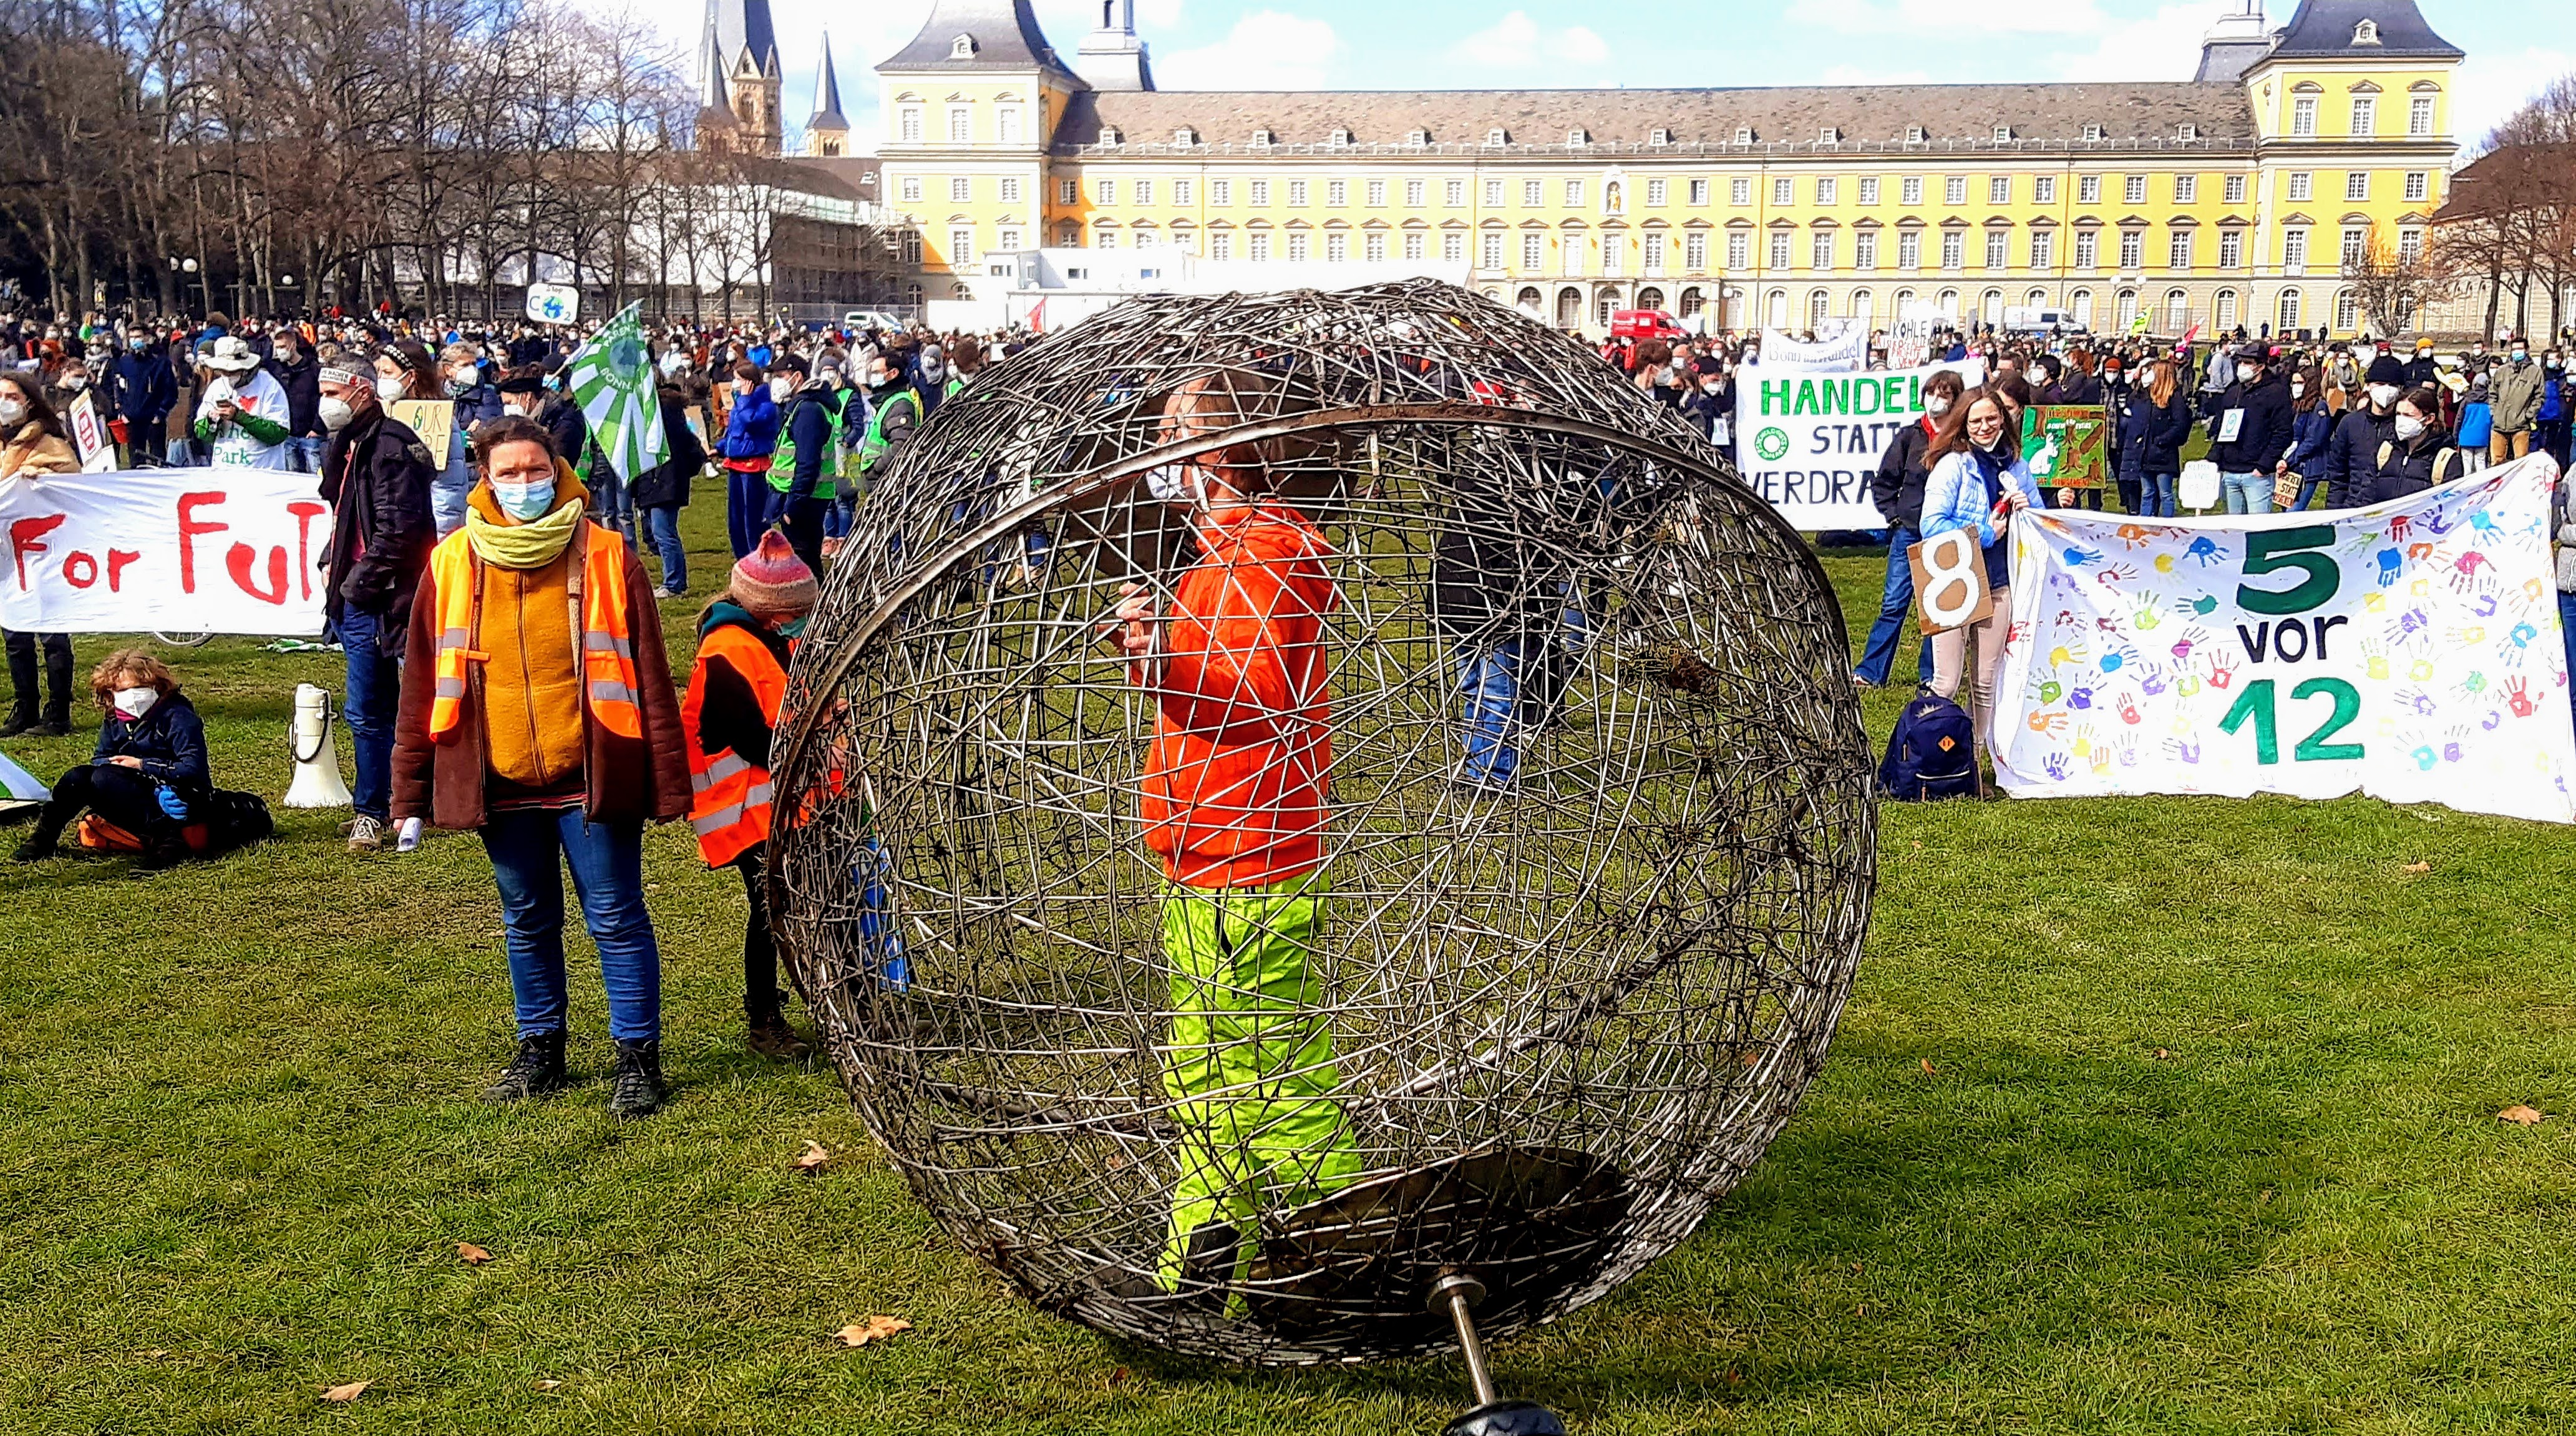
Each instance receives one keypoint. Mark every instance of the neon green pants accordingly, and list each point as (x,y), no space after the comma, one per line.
(1249,1067)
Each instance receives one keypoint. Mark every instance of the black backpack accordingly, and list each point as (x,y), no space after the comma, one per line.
(1932,754)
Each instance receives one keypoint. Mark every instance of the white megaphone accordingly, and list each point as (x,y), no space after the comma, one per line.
(317,763)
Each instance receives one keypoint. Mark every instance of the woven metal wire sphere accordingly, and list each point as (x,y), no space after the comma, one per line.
(1556,1003)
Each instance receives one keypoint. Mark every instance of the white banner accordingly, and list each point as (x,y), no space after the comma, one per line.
(1810,442)
(1838,351)
(2410,651)
(230,550)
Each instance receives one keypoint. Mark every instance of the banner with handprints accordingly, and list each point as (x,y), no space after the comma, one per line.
(2410,651)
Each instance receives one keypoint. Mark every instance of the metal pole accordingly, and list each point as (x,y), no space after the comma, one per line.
(1459,1293)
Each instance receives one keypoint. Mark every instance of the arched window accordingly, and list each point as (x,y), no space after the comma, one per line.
(1819,304)
(1650,298)
(1569,308)
(1949,305)
(1531,301)
(1863,304)
(1604,306)
(2289,319)
(2036,299)
(2347,311)
(1692,302)
(2128,310)
(2082,305)
(1068,235)
(1993,307)
(2223,313)
(2177,311)
(1779,309)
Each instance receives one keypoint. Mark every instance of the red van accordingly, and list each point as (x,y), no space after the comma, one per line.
(1645,324)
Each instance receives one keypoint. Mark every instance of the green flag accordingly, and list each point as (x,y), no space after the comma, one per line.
(611,378)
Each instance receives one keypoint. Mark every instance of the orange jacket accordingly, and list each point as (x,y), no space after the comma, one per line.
(1237,781)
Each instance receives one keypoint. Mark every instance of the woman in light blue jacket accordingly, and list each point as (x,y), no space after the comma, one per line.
(1978,483)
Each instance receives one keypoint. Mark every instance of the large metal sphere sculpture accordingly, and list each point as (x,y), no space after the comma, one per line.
(1596,858)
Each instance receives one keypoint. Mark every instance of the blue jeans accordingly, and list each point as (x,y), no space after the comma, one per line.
(746,509)
(308,453)
(2307,492)
(2246,493)
(1894,604)
(1491,684)
(607,862)
(663,520)
(2567,621)
(2156,495)
(368,705)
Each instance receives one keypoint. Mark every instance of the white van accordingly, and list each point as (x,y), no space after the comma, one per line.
(2028,319)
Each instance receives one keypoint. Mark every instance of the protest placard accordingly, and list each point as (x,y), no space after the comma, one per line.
(1808,443)
(2067,446)
(89,436)
(1950,587)
(177,550)
(433,419)
(2411,651)
(1833,351)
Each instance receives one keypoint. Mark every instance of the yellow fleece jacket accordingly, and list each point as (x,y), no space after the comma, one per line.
(532,680)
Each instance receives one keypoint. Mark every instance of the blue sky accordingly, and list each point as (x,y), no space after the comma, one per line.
(1454,44)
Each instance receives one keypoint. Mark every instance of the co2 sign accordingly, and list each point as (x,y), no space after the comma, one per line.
(1950,588)
(553,303)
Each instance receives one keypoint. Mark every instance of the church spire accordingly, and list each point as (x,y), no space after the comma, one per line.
(827,134)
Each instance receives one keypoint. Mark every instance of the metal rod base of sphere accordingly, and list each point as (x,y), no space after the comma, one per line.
(1457,1293)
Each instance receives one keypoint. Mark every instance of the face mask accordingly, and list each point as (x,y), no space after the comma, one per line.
(1710,387)
(74,383)
(780,388)
(1936,407)
(2383,395)
(2521,356)
(524,501)
(2250,373)
(2409,427)
(795,627)
(2298,388)
(334,413)
(389,389)
(138,344)
(456,387)
(135,702)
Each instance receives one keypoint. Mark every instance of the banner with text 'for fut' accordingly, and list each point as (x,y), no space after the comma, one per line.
(1808,443)
(2410,651)
(221,550)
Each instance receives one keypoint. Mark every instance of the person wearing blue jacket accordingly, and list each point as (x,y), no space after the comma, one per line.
(148,774)
(2153,429)
(141,391)
(2550,423)
(1978,483)
(750,438)
(2477,425)
(2352,452)
(2311,427)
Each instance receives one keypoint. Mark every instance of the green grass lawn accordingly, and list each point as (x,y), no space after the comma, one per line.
(2152,1116)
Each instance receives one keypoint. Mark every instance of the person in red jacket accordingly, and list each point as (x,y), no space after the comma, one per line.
(745,639)
(1234,803)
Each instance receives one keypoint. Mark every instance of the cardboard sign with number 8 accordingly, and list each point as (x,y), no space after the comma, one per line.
(1950,588)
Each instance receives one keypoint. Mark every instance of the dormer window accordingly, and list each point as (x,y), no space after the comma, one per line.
(1340,139)
(1261,139)
(1914,134)
(962,48)
(2092,134)
(1417,137)
(1498,136)
(1185,136)
(2366,33)
(2003,134)
(1659,137)
(1109,135)
(1829,136)
(1744,134)
(2189,132)
(1577,139)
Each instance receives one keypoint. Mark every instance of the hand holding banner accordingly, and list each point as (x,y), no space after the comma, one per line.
(2411,651)
(232,550)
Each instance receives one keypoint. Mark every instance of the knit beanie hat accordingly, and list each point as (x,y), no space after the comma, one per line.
(2386,370)
(772,582)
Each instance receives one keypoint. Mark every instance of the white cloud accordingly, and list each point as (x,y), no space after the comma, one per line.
(1266,50)
(1516,42)
(1856,75)
(2163,46)
(2489,87)
(1946,17)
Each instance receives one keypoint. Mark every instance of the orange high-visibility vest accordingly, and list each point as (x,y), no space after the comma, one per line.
(730,806)
(607,646)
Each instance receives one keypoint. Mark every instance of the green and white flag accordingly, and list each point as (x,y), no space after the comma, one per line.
(611,378)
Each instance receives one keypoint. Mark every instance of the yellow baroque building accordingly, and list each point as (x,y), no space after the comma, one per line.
(2234,198)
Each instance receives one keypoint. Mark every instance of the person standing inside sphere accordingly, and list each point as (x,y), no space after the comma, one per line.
(1235,798)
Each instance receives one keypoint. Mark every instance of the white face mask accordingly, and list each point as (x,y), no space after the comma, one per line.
(390,389)
(1936,407)
(335,414)
(12,412)
(2298,389)
(135,702)
(2383,395)
(2409,427)
(780,388)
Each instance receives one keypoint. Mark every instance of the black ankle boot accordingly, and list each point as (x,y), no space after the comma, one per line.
(538,1070)
(41,843)
(635,1088)
(20,720)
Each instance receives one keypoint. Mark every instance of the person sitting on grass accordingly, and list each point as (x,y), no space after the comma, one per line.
(148,775)
(745,639)
(1235,799)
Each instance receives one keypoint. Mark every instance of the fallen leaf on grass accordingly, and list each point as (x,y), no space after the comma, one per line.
(816,1155)
(875,1328)
(2520,1115)
(547,1384)
(155,1354)
(345,1393)
(2162,1054)
(1118,1377)
(1927,1067)
(2419,868)
(471,1254)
